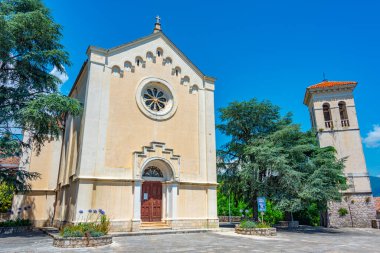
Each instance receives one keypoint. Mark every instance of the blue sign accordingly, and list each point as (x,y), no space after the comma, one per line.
(261,204)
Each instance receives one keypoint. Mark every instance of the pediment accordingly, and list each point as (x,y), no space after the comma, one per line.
(117,56)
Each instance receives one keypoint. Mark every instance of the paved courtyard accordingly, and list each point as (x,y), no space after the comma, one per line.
(309,240)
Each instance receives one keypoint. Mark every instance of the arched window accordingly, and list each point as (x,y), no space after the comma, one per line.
(128,66)
(152,171)
(194,89)
(116,71)
(149,56)
(327,115)
(185,80)
(343,114)
(168,61)
(177,71)
(139,61)
(160,52)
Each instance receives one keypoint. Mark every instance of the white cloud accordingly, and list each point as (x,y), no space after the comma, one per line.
(373,138)
(61,75)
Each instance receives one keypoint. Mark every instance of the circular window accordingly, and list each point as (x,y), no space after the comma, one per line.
(155,98)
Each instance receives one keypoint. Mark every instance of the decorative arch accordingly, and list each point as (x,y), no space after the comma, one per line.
(159,52)
(150,57)
(194,89)
(167,61)
(327,115)
(116,71)
(128,66)
(177,71)
(159,156)
(139,61)
(185,80)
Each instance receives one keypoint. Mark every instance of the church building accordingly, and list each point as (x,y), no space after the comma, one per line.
(333,115)
(143,149)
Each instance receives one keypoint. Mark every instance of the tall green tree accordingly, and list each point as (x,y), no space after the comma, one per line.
(29,96)
(243,122)
(277,160)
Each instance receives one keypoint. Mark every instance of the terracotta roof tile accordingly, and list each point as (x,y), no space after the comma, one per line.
(326,83)
(10,160)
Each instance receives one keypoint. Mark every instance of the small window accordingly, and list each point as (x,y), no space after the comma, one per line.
(343,114)
(194,89)
(159,52)
(168,61)
(149,56)
(128,66)
(116,71)
(139,61)
(327,115)
(185,80)
(177,71)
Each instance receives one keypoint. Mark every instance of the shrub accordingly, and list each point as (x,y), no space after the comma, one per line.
(252,224)
(342,211)
(96,228)
(16,223)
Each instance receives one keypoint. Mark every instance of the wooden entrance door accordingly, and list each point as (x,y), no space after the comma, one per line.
(151,201)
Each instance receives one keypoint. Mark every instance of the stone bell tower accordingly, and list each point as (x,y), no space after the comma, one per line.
(333,115)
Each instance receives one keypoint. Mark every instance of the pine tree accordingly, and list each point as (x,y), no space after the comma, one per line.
(29,96)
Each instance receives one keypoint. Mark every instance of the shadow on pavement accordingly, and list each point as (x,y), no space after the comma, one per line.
(24,234)
(310,230)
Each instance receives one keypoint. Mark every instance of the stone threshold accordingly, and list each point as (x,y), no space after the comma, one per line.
(163,231)
(52,232)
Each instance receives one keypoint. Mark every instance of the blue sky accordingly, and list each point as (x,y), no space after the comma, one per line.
(265,49)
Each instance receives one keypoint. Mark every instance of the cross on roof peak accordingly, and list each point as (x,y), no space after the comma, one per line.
(157,25)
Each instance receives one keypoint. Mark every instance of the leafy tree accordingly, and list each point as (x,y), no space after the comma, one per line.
(244,122)
(6,196)
(29,97)
(282,163)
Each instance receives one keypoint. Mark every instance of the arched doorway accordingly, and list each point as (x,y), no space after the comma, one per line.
(151,195)
(155,175)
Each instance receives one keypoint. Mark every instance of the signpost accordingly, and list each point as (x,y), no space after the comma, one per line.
(261,206)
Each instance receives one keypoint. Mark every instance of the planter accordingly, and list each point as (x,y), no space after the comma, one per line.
(81,242)
(288,224)
(12,230)
(256,231)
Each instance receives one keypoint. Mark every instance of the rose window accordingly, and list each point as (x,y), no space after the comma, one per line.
(155,99)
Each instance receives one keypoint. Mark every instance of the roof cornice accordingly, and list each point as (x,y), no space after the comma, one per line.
(152,36)
(330,89)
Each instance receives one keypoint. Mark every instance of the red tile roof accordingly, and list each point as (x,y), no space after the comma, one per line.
(14,160)
(326,83)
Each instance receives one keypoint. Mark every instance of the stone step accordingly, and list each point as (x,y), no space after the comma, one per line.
(154,226)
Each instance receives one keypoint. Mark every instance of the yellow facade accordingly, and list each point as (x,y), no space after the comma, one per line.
(102,159)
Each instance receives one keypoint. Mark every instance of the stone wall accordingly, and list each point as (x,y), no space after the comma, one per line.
(227,218)
(193,223)
(80,242)
(256,231)
(360,208)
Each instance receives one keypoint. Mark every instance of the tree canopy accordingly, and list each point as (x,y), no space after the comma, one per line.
(29,94)
(270,156)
